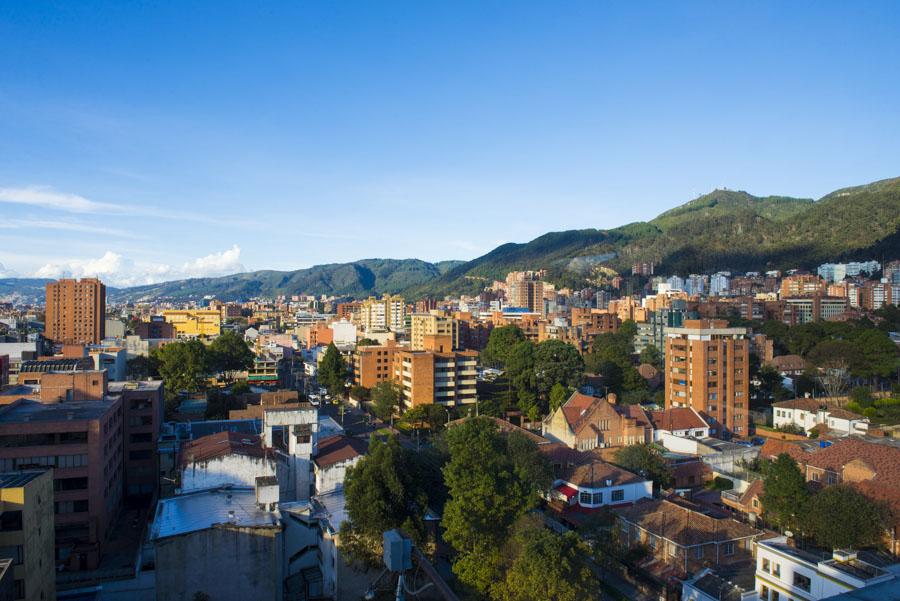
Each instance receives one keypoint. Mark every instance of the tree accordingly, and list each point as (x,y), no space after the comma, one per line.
(647,460)
(366,342)
(841,517)
(500,342)
(385,399)
(651,355)
(360,393)
(182,365)
(558,396)
(229,352)
(383,491)
(557,362)
(491,481)
(520,374)
(432,415)
(786,495)
(332,372)
(546,566)
(140,368)
(771,384)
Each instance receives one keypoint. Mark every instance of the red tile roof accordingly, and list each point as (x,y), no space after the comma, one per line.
(220,444)
(577,405)
(338,448)
(677,418)
(682,525)
(594,474)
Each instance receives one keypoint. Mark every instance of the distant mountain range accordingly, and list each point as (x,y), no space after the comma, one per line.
(722,230)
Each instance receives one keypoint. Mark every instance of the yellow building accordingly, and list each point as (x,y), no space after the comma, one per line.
(432,324)
(26,532)
(192,323)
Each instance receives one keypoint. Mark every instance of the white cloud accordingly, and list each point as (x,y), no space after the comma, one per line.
(47,197)
(119,271)
(68,226)
(7,273)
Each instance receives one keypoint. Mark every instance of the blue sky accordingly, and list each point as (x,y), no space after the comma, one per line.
(146,141)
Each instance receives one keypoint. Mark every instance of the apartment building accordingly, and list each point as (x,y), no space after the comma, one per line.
(143,404)
(76,311)
(193,323)
(785,572)
(374,364)
(708,369)
(802,285)
(525,289)
(378,315)
(4,370)
(26,506)
(802,310)
(82,442)
(433,323)
(427,377)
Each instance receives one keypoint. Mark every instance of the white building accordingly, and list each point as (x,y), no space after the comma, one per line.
(595,484)
(335,455)
(343,333)
(223,459)
(784,572)
(706,585)
(809,413)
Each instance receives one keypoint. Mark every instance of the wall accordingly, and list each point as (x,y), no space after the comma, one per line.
(225,562)
(230,469)
(332,477)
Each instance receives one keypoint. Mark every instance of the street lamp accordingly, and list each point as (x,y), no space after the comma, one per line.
(448,415)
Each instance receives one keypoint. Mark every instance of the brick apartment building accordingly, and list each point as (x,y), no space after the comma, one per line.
(374,364)
(76,311)
(155,329)
(708,368)
(82,442)
(143,404)
(439,376)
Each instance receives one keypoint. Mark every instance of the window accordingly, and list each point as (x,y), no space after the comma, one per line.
(584,498)
(802,582)
(766,567)
(598,498)
(618,495)
(13,552)
(10,521)
(651,541)
(729,548)
(698,552)
(776,570)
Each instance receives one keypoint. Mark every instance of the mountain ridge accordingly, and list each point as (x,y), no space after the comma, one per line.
(723,229)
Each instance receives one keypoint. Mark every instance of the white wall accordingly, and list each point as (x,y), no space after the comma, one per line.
(231,469)
(633,492)
(332,477)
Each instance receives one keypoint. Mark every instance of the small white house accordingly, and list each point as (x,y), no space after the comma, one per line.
(334,455)
(595,484)
(706,585)
(809,413)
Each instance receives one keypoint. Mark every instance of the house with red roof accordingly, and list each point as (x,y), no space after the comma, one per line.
(593,483)
(807,413)
(586,422)
(335,455)
(222,459)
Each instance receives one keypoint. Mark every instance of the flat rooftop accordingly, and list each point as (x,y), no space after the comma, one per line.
(116,387)
(27,410)
(204,509)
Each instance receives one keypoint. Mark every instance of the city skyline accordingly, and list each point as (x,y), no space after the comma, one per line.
(352,129)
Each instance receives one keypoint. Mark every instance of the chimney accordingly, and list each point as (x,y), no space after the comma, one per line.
(611,398)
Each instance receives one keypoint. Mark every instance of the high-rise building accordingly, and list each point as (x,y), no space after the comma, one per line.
(381,314)
(435,377)
(76,311)
(525,289)
(26,498)
(708,368)
(802,285)
(432,324)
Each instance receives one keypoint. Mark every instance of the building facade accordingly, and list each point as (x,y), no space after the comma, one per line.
(193,323)
(26,505)
(76,311)
(708,368)
(445,378)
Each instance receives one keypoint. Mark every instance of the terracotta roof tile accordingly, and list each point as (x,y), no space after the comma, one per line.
(677,418)
(338,448)
(682,525)
(220,444)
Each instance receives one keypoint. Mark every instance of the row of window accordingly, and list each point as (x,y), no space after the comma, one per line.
(586,498)
(58,461)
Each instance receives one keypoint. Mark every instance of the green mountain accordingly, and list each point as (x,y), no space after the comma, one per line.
(25,290)
(724,229)
(358,279)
